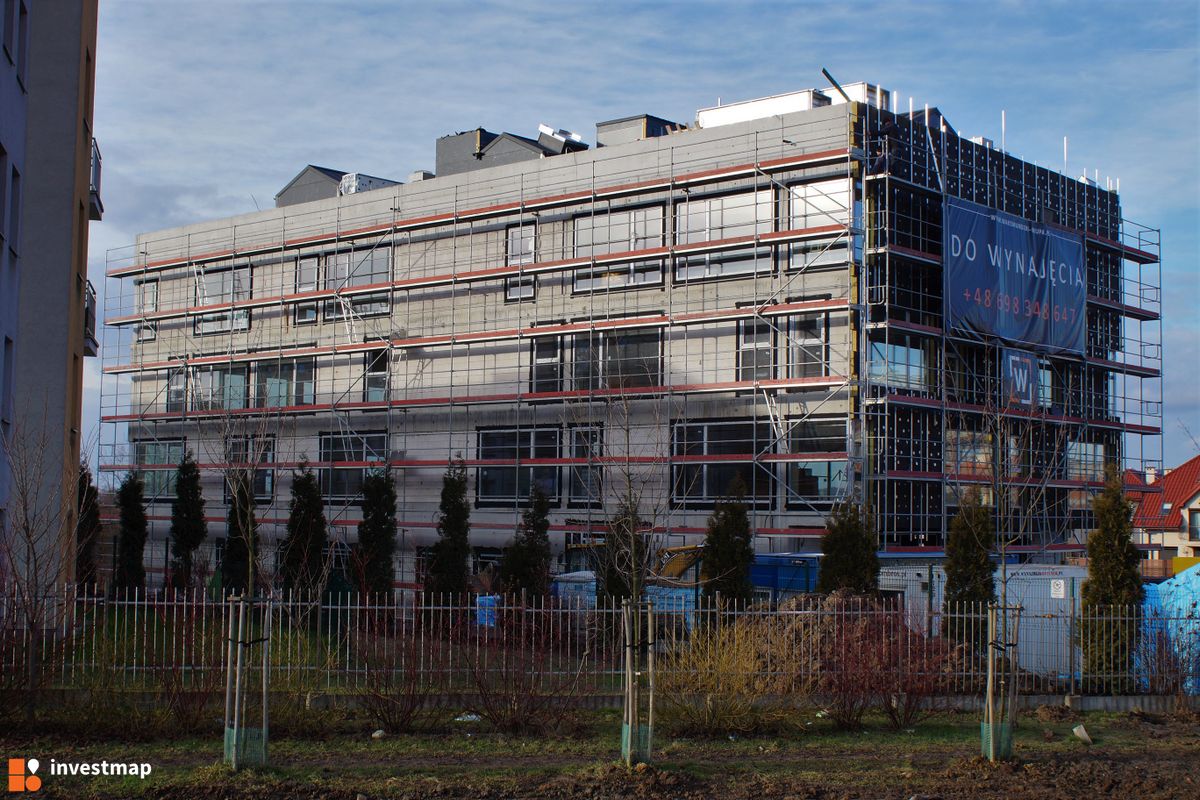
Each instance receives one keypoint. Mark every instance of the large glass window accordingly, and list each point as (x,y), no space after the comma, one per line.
(1085,461)
(215,388)
(375,378)
(216,288)
(347,456)
(243,452)
(816,482)
(358,268)
(147,303)
(545,373)
(285,383)
(808,346)
(584,484)
(968,453)
(617,360)
(618,232)
(520,249)
(177,390)
(905,363)
(307,280)
(510,483)
(818,435)
(1194,525)
(700,484)
(756,350)
(727,217)
(160,459)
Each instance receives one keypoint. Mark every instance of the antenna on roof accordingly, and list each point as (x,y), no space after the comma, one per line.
(1195,443)
(835,84)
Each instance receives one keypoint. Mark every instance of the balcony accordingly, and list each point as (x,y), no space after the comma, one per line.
(96,206)
(91,347)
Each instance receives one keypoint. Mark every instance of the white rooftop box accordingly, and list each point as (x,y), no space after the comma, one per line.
(772,106)
(861,92)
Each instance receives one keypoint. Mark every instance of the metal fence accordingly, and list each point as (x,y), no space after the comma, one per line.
(349,643)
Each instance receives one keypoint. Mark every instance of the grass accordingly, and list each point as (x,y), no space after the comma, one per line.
(468,759)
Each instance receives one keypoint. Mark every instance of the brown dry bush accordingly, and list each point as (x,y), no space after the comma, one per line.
(727,677)
(524,676)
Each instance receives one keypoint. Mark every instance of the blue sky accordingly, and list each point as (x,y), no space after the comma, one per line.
(204,109)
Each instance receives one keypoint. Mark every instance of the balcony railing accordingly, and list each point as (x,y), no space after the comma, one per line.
(91,347)
(96,210)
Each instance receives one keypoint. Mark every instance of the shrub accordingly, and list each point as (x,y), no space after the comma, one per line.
(523,680)
(716,682)
(849,560)
(447,571)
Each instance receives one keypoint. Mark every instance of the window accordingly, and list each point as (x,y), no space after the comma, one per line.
(10,29)
(968,453)
(242,452)
(6,381)
(1085,461)
(358,268)
(307,276)
(617,360)
(215,388)
(177,390)
(375,379)
(818,435)
(545,373)
(14,211)
(510,484)
(159,460)
(3,194)
(1045,387)
(348,455)
(1194,525)
(808,346)
(618,232)
(819,204)
(702,484)
(217,288)
(726,217)
(584,480)
(147,303)
(519,249)
(906,363)
(21,56)
(756,350)
(816,482)
(285,383)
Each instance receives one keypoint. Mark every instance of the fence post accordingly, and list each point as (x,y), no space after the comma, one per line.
(1071,637)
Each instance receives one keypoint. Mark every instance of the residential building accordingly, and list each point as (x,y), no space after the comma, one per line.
(1168,520)
(760,295)
(50,203)
(14,100)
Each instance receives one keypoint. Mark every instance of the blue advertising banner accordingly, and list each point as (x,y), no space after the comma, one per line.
(1013,279)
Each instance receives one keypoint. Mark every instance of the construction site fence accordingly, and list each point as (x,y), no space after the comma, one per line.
(350,643)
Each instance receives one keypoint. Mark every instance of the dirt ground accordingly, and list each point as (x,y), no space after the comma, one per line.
(1137,755)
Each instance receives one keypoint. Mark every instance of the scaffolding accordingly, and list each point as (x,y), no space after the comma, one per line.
(724,303)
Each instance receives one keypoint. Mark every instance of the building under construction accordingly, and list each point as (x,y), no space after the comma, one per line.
(806,298)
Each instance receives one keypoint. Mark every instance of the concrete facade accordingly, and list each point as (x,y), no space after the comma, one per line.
(659,316)
(56,323)
(14,100)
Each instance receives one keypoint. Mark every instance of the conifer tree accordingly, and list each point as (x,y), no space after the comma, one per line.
(377,533)
(850,561)
(188,528)
(525,566)
(131,538)
(970,575)
(87,532)
(1112,594)
(303,552)
(728,548)
(447,569)
(241,544)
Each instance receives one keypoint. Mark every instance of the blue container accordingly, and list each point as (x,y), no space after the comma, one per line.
(485,610)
